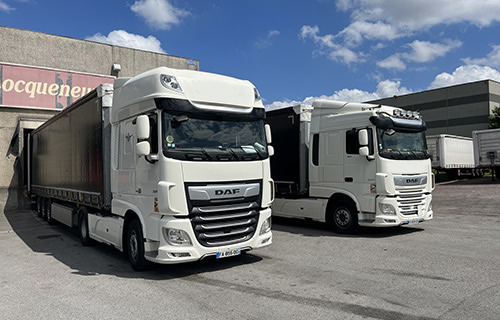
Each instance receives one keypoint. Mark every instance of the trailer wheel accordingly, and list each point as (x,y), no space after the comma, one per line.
(344,217)
(48,211)
(83,227)
(44,208)
(135,246)
(39,206)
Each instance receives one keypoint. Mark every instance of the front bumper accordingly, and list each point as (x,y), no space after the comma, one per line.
(164,253)
(422,212)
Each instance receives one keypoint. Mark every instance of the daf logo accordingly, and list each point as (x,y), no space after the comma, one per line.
(414,180)
(226,192)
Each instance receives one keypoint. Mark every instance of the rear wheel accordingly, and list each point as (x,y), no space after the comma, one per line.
(39,206)
(48,211)
(44,208)
(344,217)
(135,246)
(83,227)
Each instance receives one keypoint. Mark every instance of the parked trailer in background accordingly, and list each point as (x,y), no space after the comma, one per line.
(453,155)
(487,149)
(169,166)
(351,164)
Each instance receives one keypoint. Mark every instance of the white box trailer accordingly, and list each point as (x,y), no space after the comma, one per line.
(453,155)
(487,149)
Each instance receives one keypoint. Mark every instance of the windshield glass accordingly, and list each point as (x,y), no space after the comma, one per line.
(402,145)
(185,137)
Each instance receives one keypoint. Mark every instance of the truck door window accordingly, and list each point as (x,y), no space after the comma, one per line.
(153,133)
(315,151)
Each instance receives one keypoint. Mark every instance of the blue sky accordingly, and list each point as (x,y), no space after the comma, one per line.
(294,51)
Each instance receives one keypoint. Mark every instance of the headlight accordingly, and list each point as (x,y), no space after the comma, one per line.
(176,237)
(387,209)
(266,226)
(170,82)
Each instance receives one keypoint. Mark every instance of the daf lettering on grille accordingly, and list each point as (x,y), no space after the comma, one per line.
(226,191)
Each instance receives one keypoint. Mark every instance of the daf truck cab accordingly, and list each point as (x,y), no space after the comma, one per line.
(168,166)
(351,165)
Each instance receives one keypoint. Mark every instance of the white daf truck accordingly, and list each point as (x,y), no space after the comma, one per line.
(169,166)
(351,164)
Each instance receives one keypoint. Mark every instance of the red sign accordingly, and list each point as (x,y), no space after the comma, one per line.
(22,86)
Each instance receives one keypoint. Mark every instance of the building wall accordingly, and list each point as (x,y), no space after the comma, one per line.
(37,49)
(457,110)
(52,51)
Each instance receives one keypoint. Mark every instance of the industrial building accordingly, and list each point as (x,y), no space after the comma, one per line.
(41,74)
(457,110)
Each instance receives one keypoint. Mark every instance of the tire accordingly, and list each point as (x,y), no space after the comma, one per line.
(83,227)
(44,208)
(39,206)
(135,246)
(48,211)
(344,217)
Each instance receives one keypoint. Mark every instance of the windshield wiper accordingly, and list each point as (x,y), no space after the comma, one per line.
(231,151)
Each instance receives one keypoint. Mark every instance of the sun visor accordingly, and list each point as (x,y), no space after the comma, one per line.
(399,124)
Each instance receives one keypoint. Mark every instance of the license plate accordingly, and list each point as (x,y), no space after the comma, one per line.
(229,253)
(412,221)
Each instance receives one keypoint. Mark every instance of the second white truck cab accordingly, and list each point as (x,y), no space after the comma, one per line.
(351,164)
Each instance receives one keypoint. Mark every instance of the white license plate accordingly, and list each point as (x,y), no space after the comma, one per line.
(229,253)
(413,221)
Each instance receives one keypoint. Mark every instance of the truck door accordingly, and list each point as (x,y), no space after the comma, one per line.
(359,171)
(126,173)
(147,171)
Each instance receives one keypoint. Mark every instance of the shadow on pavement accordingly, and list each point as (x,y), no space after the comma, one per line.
(319,229)
(63,243)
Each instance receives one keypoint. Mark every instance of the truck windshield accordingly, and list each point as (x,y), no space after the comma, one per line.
(402,145)
(188,137)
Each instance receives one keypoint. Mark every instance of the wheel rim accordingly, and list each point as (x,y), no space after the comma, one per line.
(342,217)
(133,245)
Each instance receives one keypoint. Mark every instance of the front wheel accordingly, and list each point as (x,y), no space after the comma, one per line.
(135,246)
(344,217)
(83,227)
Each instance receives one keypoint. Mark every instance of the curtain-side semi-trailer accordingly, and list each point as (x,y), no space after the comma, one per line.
(351,164)
(169,166)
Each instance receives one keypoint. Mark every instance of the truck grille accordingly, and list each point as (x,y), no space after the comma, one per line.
(224,221)
(409,200)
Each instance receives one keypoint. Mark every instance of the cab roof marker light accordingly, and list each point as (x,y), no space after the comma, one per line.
(170,82)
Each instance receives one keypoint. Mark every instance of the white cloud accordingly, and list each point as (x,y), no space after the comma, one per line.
(159,14)
(266,41)
(387,20)
(125,39)
(492,59)
(392,62)
(412,16)
(334,51)
(425,51)
(385,88)
(465,74)
(5,7)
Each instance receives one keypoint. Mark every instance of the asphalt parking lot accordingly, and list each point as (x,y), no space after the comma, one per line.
(448,268)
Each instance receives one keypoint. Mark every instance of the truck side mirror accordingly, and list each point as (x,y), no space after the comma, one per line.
(268,134)
(363,137)
(270,151)
(143,148)
(364,151)
(142,129)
